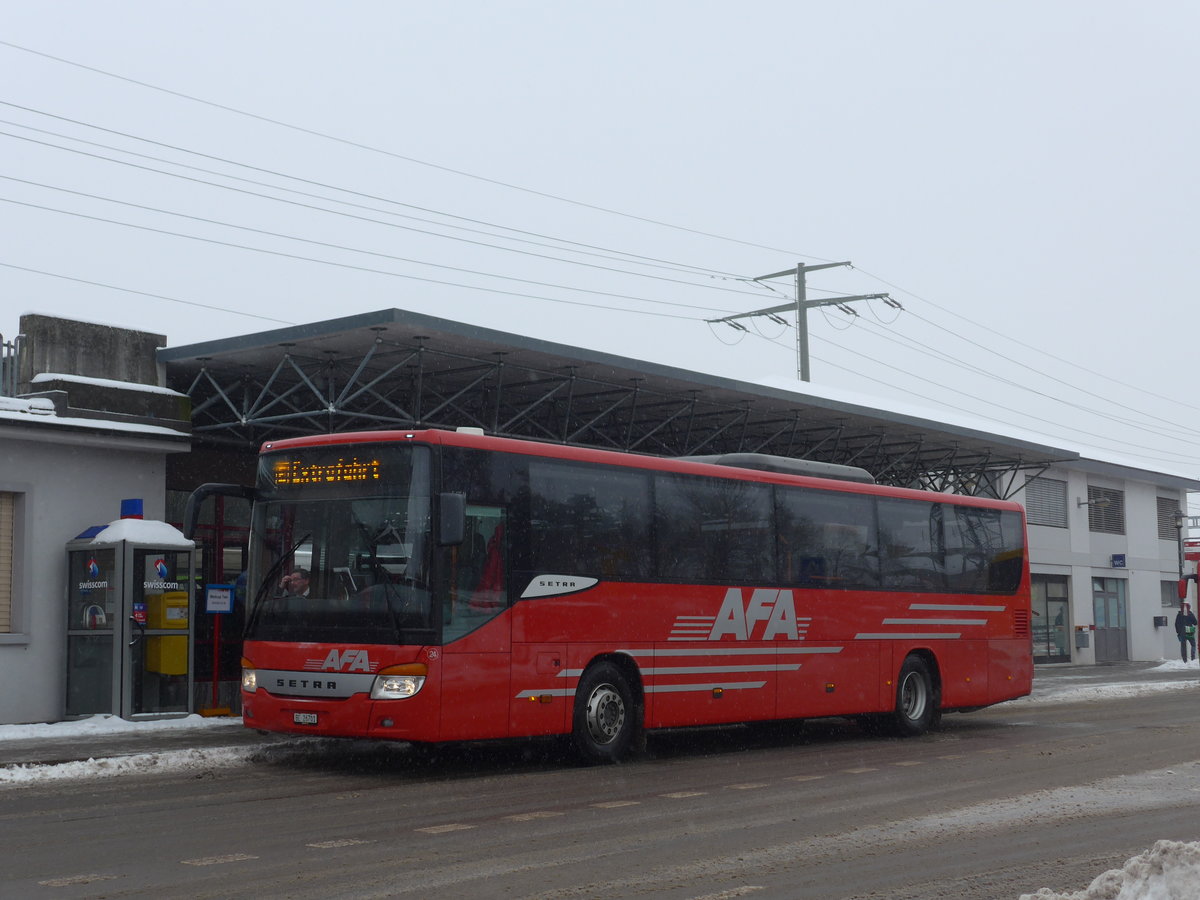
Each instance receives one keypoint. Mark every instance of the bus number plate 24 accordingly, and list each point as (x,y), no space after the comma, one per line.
(304,718)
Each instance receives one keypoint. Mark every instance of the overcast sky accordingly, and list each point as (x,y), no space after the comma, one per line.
(1019,176)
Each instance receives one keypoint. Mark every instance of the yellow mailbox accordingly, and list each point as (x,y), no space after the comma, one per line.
(167,654)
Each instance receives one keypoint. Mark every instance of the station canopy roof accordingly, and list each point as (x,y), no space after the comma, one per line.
(395,369)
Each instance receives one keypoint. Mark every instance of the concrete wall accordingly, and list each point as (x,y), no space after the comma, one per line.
(88,350)
(65,483)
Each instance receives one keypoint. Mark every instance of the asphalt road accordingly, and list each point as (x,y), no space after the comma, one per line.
(997,803)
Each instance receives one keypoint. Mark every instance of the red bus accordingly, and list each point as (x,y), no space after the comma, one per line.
(433,586)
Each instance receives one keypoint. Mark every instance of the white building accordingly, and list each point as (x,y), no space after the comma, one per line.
(1105,557)
(59,475)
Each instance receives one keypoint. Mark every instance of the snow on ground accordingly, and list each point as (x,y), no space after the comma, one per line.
(108,725)
(1169,870)
(139,763)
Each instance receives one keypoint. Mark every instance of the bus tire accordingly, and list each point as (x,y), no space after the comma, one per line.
(916,699)
(606,718)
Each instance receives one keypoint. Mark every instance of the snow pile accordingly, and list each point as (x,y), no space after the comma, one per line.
(171,761)
(141,763)
(1170,870)
(110,724)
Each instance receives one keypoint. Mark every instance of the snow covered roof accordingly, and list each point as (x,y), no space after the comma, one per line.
(40,411)
(142,531)
(103,382)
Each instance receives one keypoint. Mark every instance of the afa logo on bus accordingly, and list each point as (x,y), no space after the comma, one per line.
(343,660)
(774,610)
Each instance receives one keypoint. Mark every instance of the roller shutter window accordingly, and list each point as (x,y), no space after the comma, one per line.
(1106,510)
(1046,502)
(1168,509)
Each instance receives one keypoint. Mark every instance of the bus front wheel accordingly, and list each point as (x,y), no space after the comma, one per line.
(605,720)
(917,707)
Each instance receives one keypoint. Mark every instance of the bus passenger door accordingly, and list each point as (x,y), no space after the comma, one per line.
(476,631)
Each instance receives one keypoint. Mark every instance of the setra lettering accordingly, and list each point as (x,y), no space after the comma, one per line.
(306,683)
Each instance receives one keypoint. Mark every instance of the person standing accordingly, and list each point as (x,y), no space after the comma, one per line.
(1185,629)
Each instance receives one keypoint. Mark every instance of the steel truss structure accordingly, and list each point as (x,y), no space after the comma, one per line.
(399,370)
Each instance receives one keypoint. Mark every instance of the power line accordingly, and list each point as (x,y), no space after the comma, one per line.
(546,195)
(113,287)
(975,412)
(325,244)
(567,244)
(348,266)
(361,146)
(1174,432)
(1027,346)
(308,206)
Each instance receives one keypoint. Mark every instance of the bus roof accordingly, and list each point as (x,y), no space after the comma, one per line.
(772,469)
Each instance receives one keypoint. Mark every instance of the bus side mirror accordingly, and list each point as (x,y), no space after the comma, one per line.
(452,519)
(191,512)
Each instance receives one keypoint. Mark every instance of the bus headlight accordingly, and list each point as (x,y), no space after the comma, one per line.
(249,676)
(399,682)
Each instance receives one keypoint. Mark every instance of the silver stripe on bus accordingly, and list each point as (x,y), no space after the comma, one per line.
(913,636)
(682,688)
(935,621)
(654,689)
(719,649)
(956,607)
(700,670)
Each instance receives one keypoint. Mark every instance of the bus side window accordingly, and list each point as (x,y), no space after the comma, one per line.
(912,545)
(479,573)
(827,539)
(591,520)
(713,529)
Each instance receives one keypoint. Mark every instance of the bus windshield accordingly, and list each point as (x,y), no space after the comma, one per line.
(340,547)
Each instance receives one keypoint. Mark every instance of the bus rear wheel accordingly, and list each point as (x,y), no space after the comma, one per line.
(916,700)
(606,715)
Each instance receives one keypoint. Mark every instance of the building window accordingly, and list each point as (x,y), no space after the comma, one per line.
(1168,510)
(7,539)
(1170,593)
(1051,618)
(1106,510)
(1046,502)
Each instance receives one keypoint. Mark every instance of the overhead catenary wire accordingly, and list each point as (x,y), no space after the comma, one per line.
(576,203)
(1174,458)
(1174,429)
(295,256)
(1028,346)
(351,216)
(561,243)
(368,147)
(147,294)
(324,244)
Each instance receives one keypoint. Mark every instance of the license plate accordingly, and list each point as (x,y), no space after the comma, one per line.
(304,718)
